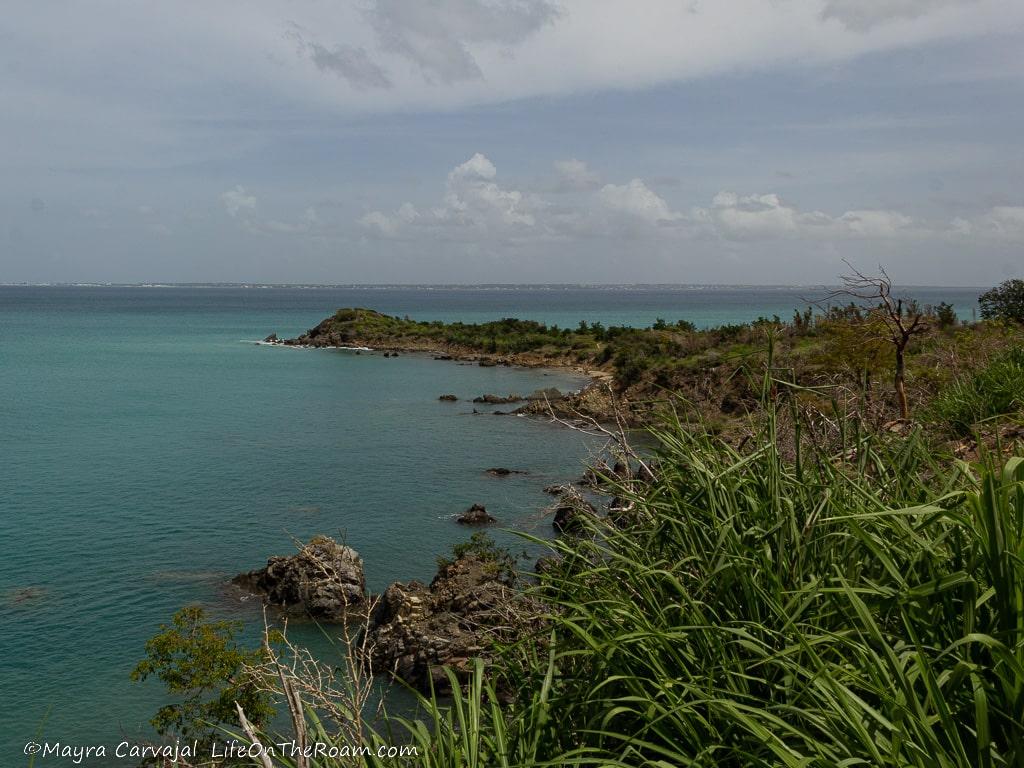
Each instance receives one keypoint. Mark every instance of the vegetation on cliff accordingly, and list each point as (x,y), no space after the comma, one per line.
(844,352)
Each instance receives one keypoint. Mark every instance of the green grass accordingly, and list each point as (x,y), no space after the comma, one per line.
(995,390)
(865,608)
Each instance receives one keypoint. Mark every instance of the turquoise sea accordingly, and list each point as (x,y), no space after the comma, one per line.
(149,450)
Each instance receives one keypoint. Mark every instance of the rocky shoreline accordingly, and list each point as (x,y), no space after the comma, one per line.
(595,400)
(476,601)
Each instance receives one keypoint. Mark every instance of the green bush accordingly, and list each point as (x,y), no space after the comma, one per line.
(203,669)
(1004,302)
(484,548)
(995,390)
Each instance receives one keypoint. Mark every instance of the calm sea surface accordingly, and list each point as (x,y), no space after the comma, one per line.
(149,451)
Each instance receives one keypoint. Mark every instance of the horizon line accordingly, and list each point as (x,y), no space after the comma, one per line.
(450,286)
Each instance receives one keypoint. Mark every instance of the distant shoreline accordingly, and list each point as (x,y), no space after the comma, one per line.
(681,287)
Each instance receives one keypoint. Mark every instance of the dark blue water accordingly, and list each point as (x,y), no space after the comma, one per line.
(149,451)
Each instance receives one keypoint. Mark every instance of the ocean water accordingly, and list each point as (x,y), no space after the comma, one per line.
(149,450)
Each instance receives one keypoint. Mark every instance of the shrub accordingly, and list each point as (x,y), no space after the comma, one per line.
(484,548)
(1004,302)
(945,315)
(202,667)
(995,390)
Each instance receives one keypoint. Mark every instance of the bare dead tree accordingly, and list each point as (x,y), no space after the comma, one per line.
(902,320)
(617,434)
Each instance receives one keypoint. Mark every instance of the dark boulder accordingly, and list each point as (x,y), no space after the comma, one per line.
(570,512)
(475,515)
(271,339)
(320,581)
(416,630)
(448,398)
(497,399)
(504,471)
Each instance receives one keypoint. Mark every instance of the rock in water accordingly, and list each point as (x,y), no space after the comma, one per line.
(491,399)
(504,471)
(415,629)
(557,489)
(321,581)
(570,511)
(271,338)
(448,398)
(475,515)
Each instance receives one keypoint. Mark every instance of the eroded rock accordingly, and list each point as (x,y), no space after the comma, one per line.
(320,581)
(475,515)
(416,630)
(570,512)
(497,399)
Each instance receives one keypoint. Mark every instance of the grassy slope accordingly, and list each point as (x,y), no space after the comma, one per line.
(866,610)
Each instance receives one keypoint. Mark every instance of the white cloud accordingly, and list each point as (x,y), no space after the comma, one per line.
(637,200)
(574,175)
(476,208)
(876,223)
(767,216)
(754,216)
(1001,222)
(238,200)
(472,201)
(477,168)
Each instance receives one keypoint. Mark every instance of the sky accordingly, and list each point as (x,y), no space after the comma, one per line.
(512,141)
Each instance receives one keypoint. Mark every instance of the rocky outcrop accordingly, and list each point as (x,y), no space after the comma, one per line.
(595,401)
(497,399)
(570,512)
(448,398)
(557,489)
(415,629)
(271,339)
(475,515)
(320,581)
(550,393)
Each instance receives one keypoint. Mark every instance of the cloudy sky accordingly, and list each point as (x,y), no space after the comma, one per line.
(467,141)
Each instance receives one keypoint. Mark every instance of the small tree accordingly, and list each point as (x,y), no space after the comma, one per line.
(1004,302)
(901,321)
(857,341)
(945,314)
(198,662)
